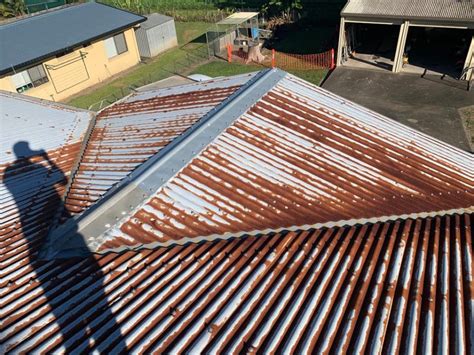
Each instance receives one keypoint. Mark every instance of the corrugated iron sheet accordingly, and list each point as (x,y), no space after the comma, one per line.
(301,156)
(33,128)
(402,286)
(421,9)
(128,133)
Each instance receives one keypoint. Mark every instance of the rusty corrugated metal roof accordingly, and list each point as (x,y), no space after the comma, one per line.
(385,287)
(130,132)
(299,156)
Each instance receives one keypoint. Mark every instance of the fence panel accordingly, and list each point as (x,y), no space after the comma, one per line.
(290,61)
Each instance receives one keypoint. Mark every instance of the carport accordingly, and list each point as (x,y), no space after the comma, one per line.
(408,36)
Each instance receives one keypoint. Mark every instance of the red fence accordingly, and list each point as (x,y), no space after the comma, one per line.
(288,60)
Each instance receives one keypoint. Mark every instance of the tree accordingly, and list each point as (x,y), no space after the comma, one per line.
(285,8)
(12,8)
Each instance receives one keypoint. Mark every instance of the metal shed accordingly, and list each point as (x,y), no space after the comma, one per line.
(155,35)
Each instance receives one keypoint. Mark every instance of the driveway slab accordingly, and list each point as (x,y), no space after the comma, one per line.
(430,104)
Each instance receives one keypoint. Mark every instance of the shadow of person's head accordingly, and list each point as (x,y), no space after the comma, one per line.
(22,149)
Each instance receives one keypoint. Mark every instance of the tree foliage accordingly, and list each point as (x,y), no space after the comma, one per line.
(12,8)
(285,8)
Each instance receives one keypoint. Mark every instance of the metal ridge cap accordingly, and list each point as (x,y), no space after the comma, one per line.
(142,183)
(330,224)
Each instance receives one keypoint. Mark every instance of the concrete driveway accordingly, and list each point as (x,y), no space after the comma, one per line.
(429,104)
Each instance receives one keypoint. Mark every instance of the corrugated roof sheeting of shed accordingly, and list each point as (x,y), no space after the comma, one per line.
(128,133)
(155,19)
(238,18)
(44,35)
(381,288)
(299,156)
(423,10)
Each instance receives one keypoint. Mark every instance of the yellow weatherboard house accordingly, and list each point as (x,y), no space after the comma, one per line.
(56,54)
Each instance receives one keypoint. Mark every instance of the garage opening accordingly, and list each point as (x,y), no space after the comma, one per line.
(371,44)
(438,50)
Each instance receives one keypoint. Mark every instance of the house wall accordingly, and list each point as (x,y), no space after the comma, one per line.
(70,74)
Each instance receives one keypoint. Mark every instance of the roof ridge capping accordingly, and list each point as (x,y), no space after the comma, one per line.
(144,181)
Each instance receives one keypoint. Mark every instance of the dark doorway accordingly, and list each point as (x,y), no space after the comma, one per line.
(372,44)
(440,50)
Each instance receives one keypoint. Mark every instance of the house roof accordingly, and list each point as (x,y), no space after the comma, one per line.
(277,154)
(386,286)
(38,37)
(369,285)
(451,10)
(128,133)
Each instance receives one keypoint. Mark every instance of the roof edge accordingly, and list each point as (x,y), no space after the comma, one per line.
(72,47)
(330,224)
(144,181)
(44,102)
(462,22)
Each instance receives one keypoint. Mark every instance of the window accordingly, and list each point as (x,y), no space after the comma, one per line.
(29,78)
(115,45)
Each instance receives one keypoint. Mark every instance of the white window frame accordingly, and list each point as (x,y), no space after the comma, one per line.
(22,81)
(111,45)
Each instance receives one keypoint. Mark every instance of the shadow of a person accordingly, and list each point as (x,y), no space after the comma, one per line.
(33,180)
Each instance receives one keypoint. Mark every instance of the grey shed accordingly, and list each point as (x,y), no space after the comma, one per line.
(155,35)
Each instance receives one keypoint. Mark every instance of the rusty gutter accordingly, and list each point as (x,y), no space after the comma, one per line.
(143,182)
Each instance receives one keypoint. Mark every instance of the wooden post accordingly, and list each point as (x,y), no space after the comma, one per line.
(333,64)
(342,41)
(273,58)
(402,39)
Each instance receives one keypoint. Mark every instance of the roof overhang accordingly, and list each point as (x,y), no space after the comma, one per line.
(414,21)
(238,18)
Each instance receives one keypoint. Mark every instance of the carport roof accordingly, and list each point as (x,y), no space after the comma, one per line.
(451,10)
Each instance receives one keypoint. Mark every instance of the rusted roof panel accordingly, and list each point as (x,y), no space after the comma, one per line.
(300,156)
(380,288)
(128,133)
(31,130)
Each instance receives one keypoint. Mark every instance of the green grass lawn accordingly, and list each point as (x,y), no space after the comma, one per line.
(158,68)
(180,60)
(187,31)
(222,68)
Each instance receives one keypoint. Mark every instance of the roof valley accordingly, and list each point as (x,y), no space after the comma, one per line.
(75,167)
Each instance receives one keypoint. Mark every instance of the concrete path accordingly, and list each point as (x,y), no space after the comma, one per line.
(428,104)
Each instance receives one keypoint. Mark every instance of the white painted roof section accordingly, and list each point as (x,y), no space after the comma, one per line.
(43,124)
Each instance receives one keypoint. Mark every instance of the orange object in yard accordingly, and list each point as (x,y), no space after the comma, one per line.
(229,53)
